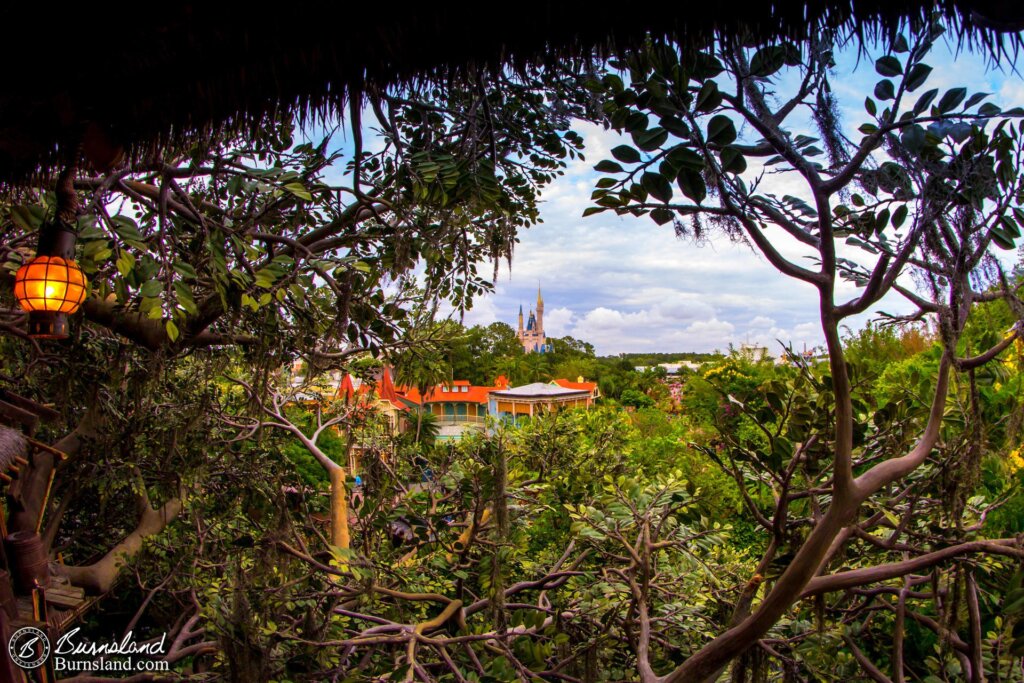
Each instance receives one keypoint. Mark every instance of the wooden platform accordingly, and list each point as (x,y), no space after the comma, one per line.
(64,604)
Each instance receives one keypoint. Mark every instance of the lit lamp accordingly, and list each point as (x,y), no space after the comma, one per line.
(51,286)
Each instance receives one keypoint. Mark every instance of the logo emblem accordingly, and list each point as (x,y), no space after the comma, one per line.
(29,647)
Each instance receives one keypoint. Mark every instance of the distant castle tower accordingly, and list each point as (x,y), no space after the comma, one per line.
(533,338)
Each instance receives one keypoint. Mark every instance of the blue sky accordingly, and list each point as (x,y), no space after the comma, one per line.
(627,285)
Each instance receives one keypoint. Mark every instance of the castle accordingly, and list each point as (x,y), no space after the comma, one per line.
(533,338)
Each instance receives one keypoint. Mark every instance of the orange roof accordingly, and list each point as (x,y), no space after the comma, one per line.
(584,386)
(471,395)
(411,394)
(384,389)
(440,393)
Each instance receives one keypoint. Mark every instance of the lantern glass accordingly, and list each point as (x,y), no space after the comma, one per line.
(50,283)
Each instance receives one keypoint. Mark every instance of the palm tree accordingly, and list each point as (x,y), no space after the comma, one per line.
(514,368)
(537,367)
(423,371)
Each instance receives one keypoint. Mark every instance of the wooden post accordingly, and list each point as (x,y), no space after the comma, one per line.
(39,613)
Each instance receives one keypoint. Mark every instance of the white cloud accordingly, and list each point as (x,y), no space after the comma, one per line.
(1011,94)
(558,321)
(625,284)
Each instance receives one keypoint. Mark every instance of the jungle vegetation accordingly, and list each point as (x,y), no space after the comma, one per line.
(850,516)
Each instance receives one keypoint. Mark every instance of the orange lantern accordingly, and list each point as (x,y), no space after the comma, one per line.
(51,286)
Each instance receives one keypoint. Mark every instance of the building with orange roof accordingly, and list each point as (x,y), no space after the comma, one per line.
(458,406)
(461,407)
(531,399)
(579,384)
(380,393)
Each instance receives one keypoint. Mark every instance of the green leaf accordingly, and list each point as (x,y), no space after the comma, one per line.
(691,183)
(705,65)
(591,210)
(613,83)
(1014,606)
(250,303)
(960,131)
(636,121)
(721,130)
(899,215)
(28,217)
(608,166)
(925,100)
(975,98)
(662,216)
(989,109)
(885,90)
(172,330)
(152,308)
(299,190)
(1010,226)
(684,157)
(675,126)
(918,75)
(185,270)
(881,220)
(913,138)
(767,61)
(667,169)
(626,154)
(869,106)
(652,139)
(733,161)
(1003,241)
(185,297)
(151,288)
(708,98)
(951,99)
(657,186)
(888,66)
(125,262)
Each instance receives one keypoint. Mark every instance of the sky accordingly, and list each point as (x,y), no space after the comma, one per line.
(625,284)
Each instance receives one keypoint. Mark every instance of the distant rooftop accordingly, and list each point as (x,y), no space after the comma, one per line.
(539,389)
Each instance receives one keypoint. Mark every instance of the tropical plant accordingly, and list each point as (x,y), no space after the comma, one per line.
(933,186)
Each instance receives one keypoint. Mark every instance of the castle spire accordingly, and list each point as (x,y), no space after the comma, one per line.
(540,313)
(520,317)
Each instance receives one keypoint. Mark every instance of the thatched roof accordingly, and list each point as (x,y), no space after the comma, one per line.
(12,445)
(182,70)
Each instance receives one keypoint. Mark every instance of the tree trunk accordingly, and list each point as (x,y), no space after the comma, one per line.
(339,508)
(27,509)
(100,576)
(708,662)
